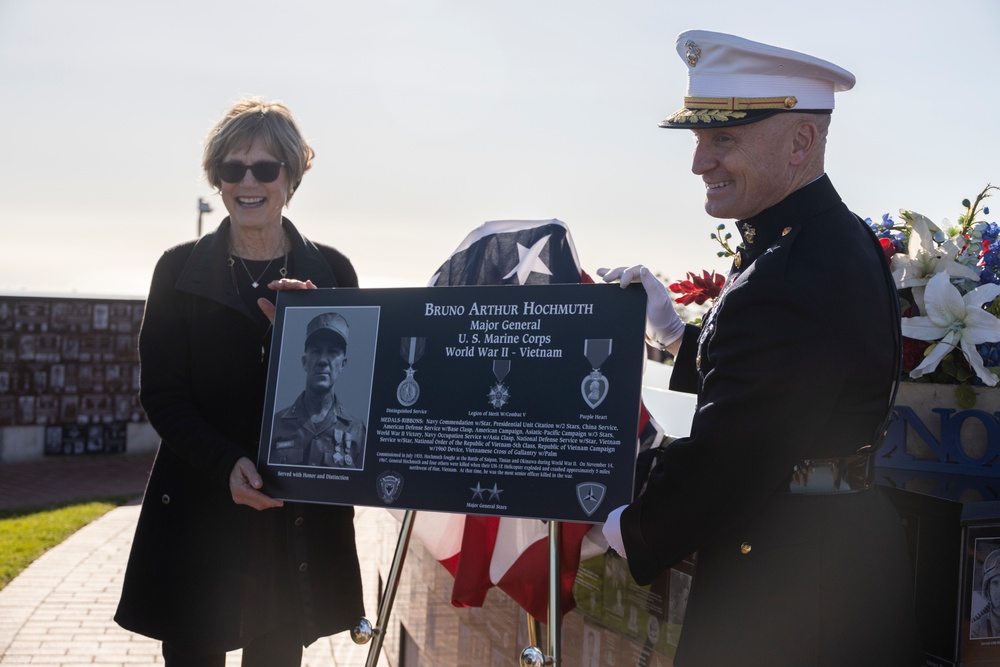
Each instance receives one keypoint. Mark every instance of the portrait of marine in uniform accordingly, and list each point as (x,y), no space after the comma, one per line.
(317,429)
(986,622)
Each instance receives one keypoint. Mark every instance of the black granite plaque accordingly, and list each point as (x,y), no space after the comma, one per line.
(503,400)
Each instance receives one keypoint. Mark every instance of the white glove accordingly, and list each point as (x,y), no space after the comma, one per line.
(612,530)
(663,326)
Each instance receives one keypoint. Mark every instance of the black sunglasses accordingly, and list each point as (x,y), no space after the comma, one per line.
(264,172)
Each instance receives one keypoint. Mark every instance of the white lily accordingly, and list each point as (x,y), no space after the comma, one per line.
(924,259)
(955,320)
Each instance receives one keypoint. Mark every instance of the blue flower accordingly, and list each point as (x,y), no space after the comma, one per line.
(886,230)
(990,352)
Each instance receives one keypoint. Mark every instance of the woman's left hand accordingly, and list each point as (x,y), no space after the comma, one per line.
(244,482)
(279,286)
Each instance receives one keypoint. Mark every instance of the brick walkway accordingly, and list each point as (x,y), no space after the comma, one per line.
(58,612)
(61,479)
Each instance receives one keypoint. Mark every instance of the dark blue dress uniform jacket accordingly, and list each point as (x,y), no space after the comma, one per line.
(203,570)
(794,362)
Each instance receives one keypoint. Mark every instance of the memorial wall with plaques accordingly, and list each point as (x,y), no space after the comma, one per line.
(71,365)
(940,466)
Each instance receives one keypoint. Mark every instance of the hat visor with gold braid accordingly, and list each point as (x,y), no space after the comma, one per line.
(699,112)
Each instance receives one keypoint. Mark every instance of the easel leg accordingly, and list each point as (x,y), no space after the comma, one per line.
(534,629)
(389,594)
(555,593)
(532,656)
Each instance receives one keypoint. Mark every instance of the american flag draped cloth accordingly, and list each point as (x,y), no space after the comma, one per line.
(512,554)
(513,252)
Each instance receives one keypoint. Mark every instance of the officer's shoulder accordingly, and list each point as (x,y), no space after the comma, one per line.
(820,249)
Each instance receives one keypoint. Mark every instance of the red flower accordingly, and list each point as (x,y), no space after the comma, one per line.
(888,248)
(913,353)
(698,289)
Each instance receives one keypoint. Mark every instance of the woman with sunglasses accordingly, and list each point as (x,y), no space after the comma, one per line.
(217,565)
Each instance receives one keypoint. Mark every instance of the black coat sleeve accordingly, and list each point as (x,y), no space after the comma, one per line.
(684,376)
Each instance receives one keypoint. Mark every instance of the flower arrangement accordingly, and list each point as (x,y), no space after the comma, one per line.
(948,278)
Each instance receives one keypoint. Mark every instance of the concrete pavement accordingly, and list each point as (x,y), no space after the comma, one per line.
(58,612)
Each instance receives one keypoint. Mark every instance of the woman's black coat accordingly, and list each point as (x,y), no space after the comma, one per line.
(203,570)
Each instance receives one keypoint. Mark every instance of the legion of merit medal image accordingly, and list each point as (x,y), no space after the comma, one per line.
(518,401)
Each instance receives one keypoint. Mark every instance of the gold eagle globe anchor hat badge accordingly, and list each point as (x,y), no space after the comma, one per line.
(735,81)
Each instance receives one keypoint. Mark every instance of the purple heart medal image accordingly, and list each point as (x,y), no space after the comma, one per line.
(595,386)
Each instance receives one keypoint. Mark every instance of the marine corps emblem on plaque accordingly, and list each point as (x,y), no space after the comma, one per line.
(389,485)
(590,495)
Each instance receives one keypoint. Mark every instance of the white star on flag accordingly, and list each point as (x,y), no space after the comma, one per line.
(529,262)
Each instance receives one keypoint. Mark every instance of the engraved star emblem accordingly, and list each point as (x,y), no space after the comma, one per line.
(528,261)
(477,491)
(495,492)
(590,494)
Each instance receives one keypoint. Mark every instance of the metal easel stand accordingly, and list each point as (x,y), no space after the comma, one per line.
(364,632)
(532,656)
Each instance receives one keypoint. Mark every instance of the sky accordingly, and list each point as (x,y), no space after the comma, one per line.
(430,117)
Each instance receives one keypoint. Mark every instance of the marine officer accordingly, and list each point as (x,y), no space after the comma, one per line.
(801,560)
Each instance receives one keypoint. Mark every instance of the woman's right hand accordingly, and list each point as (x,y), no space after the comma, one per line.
(244,482)
(279,286)
(663,326)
